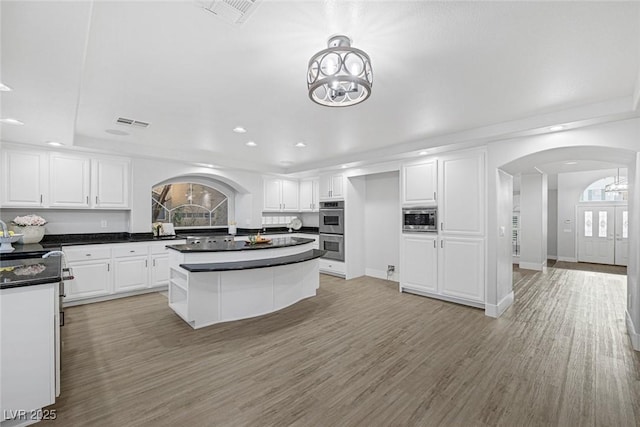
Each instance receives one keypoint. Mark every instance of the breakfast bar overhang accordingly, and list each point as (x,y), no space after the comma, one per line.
(234,280)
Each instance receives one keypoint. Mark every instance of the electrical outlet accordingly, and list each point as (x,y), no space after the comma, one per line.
(391,268)
(103,223)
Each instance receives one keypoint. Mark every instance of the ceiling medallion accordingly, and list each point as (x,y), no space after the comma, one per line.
(340,75)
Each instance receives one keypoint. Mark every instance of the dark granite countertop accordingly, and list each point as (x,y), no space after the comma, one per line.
(29,271)
(58,240)
(252,264)
(240,245)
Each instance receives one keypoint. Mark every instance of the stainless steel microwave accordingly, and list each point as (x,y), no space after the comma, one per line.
(420,219)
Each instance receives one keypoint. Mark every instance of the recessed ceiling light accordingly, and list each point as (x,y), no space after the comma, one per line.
(571,163)
(343,166)
(55,143)
(4,88)
(11,121)
(286,162)
(251,144)
(556,128)
(423,153)
(239,129)
(301,145)
(116,132)
(204,165)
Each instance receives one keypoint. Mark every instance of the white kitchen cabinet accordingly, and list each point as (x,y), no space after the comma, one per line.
(110,183)
(159,270)
(419,262)
(24,176)
(462,268)
(28,340)
(69,181)
(309,195)
(130,273)
(331,187)
(420,183)
(91,266)
(461,206)
(59,180)
(281,195)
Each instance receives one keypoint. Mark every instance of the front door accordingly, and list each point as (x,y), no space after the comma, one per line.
(622,235)
(596,234)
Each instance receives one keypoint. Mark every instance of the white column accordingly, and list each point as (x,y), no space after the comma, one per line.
(533,221)
(633,269)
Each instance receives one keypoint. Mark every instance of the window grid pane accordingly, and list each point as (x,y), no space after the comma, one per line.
(588,223)
(602,224)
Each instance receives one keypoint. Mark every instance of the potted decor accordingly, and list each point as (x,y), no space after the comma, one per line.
(30,226)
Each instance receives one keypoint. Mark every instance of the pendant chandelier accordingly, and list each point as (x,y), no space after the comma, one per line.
(340,75)
(618,186)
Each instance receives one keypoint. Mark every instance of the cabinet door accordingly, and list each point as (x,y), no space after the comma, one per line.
(272,195)
(419,268)
(159,270)
(461,206)
(69,178)
(130,273)
(316,195)
(337,186)
(325,187)
(419,183)
(24,179)
(91,279)
(290,202)
(306,196)
(111,183)
(462,268)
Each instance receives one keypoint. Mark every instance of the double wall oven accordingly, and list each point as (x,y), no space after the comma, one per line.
(331,229)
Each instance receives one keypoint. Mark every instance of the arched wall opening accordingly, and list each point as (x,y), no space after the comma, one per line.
(501,171)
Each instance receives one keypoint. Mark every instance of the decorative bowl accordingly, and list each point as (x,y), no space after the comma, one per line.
(11,239)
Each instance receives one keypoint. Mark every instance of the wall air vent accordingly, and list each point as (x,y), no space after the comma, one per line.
(130,122)
(232,11)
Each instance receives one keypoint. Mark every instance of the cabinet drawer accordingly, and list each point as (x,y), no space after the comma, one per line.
(88,252)
(130,249)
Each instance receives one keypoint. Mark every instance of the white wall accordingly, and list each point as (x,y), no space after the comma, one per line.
(552,224)
(69,221)
(504,291)
(354,226)
(533,221)
(382,224)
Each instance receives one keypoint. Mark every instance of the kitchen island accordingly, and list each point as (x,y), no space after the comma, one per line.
(221,281)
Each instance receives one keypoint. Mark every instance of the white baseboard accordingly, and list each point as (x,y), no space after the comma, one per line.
(492,310)
(552,257)
(532,266)
(631,330)
(114,296)
(380,274)
(567,259)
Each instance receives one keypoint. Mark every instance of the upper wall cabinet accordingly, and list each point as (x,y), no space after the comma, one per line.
(24,179)
(63,180)
(309,195)
(110,183)
(420,183)
(461,207)
(281,195)
(331,187)
(69,181)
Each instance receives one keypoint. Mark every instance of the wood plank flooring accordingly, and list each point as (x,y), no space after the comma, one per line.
(360,354)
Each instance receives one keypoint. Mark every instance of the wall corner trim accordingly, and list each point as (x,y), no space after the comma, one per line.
(631,330)
(496,311)
(532,266)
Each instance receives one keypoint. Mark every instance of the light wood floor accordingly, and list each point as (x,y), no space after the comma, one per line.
(360,354)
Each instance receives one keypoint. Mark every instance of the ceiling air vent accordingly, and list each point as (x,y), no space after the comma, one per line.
(130,122)
(231,11)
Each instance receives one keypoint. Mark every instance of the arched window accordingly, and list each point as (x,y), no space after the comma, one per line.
(190,204)
(596,191)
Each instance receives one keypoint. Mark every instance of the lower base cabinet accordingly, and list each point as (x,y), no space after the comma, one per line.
(108,270)
(448,268)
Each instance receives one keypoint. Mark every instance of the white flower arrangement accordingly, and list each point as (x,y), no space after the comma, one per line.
(23,221)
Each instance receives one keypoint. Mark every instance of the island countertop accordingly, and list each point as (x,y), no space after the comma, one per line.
(240,245)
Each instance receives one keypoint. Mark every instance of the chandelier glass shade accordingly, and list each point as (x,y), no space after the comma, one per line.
(340,75)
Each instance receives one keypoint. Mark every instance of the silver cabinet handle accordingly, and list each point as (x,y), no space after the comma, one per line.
(146,263)
(87,199)
(441,226)
(154,262)
(434,195)
(108,267)
(41,199)
(96,200)
(434,243)
(442,243)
